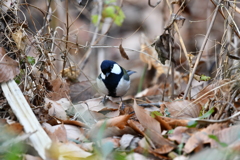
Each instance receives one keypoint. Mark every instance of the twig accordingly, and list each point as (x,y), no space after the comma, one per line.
(153,6)
(81,64)
(215,4)
(200,53)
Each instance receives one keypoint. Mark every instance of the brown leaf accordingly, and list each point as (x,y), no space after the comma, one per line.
(201,137)
(60,90)
(169,123)
(20,39)
(162,144)
(214,90)
(56,108)
(96,105)
(230,136)
(181,134)
(81,91)
(123,53)
(145,119)
(72,73)
(8,67)
(136,126)
(120,121)
(153,56)
(182,109)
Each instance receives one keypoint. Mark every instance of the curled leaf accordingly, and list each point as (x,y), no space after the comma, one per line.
(123,53)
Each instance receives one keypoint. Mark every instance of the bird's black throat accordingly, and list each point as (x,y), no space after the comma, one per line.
(111,82)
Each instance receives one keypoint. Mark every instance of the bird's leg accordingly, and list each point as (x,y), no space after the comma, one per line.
(122,105)
(104,100)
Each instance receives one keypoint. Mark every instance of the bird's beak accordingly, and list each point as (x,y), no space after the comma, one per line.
(107,74)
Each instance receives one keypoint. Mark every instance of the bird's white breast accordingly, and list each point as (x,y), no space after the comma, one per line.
(122,87)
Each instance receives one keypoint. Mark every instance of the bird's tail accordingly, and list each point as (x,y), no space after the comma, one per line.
(129,72)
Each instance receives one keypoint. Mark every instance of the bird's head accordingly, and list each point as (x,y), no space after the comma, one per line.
(109,67)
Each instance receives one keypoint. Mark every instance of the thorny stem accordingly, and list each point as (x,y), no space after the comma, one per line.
(200,53)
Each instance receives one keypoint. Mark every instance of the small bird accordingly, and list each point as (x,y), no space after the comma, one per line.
(114,80)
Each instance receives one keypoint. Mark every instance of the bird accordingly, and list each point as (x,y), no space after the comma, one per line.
(114,81)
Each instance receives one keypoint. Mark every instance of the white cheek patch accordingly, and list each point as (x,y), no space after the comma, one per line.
(103,76)
(116,69)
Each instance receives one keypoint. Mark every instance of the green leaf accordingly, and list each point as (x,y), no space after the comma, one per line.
(192,124)
(155,113)
(109,12)
(207,114)
(204,78)
(94,19)
(170,131)
(114,12)
(31,60)
(180,148)
(120,16)
(214,137)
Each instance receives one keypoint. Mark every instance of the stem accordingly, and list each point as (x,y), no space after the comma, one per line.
(200,53)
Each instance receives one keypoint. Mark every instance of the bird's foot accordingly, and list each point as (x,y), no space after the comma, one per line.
(104,100)
(122,106)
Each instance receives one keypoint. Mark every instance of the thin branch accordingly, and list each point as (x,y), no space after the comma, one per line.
(200,53)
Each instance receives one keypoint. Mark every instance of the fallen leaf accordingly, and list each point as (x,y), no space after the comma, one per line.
(213,90)
(56,108)
(60,89)
(201,137)
(8,67)
(120,121)
(182,109)
(126,141)
(67,151)
(145,119)
(96,105)
(82,91)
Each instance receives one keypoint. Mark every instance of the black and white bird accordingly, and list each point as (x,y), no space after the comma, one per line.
(114,80)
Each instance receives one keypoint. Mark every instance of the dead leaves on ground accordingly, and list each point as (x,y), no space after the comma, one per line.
(8,67)
(89,129)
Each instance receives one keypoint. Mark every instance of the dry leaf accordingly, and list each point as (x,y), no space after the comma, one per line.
(182,109)
(214,90)
(60,90)
(72,73)
(162,144)
(123,53)
(20,37)
(229,136)
(201,137)
(67,151)
(96,105)
(145,119)
(170,123)
(81,91)
(56,108)
(151,60)
(181,134)
(8,67)
(120,122)
(126,141)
